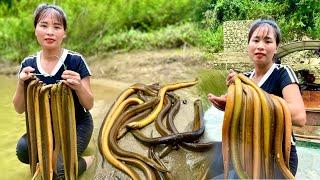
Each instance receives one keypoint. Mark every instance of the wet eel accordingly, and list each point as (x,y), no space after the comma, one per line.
(198,128)
(123,95)
(288,130)
(156,111)
(226,128)
(104,135)
(116,149)
(248,137)
(46,141)
(68,134)
(279,138)
(266,121)
(31,126)
(55,124)
(257,126)
(161,175)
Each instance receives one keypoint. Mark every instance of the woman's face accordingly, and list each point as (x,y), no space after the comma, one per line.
(262,45)
(49,31)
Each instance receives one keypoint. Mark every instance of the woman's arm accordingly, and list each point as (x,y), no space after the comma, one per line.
(291,94)
(85,94)
(18,98)
(81,86)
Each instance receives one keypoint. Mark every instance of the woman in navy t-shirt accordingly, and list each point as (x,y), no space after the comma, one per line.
(277,79)
(51,64)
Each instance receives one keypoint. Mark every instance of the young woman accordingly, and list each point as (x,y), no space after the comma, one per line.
(54,63)
(277,79)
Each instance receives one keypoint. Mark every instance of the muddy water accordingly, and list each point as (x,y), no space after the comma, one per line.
(12,126)
(182,163)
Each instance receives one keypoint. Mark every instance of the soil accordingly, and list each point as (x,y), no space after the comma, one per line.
(161,66)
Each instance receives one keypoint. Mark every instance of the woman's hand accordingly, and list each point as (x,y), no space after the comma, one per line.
(72,79)
(218,101)
(26,73)
(81,86)
(18,98)
(230,77)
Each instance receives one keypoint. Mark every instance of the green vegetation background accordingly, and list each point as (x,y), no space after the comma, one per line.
(96,27)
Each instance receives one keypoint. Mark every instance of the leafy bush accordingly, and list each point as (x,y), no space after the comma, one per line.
(105,25)
(210,39)
(168,37)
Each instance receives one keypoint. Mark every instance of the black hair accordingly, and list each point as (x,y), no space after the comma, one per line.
(43,9)
(260,22)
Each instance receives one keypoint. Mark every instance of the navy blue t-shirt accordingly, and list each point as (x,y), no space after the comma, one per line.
(276,78)
(69,60)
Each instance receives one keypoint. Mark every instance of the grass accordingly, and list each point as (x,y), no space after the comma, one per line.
(211,81)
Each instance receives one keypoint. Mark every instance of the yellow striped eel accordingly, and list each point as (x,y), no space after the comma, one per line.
(158,122)
(31,126)
(116,149)
(156,111)
(142,89)
(173,138)
(242,130)
(67,129)
(38,128)
(256,171)
(161,175)
(226,128)
(141,165)
(266,121)
(46,142)
(198,127)
(272,132)
(248,138)
(145,89)
(111,117)
(288,130)
(123,130)
(123,95)
(279,138)
(235,128)
(55,124)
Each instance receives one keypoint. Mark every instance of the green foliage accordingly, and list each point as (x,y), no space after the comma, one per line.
(168,37)
(95,26)
(212,40)
(91,21)
(212,81)
(224,10)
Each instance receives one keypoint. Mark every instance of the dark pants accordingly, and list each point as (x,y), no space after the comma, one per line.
(216,167)
(84,128)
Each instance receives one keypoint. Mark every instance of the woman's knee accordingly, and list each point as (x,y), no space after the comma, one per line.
(22,149)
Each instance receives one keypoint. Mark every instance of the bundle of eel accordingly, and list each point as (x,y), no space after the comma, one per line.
(256,130)
(51,129)
(137,107)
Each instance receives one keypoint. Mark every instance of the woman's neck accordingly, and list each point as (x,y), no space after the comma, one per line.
(260,71)
(51,55)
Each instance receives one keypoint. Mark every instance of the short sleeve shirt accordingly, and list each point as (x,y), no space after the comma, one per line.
(276,78)
(68,61)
